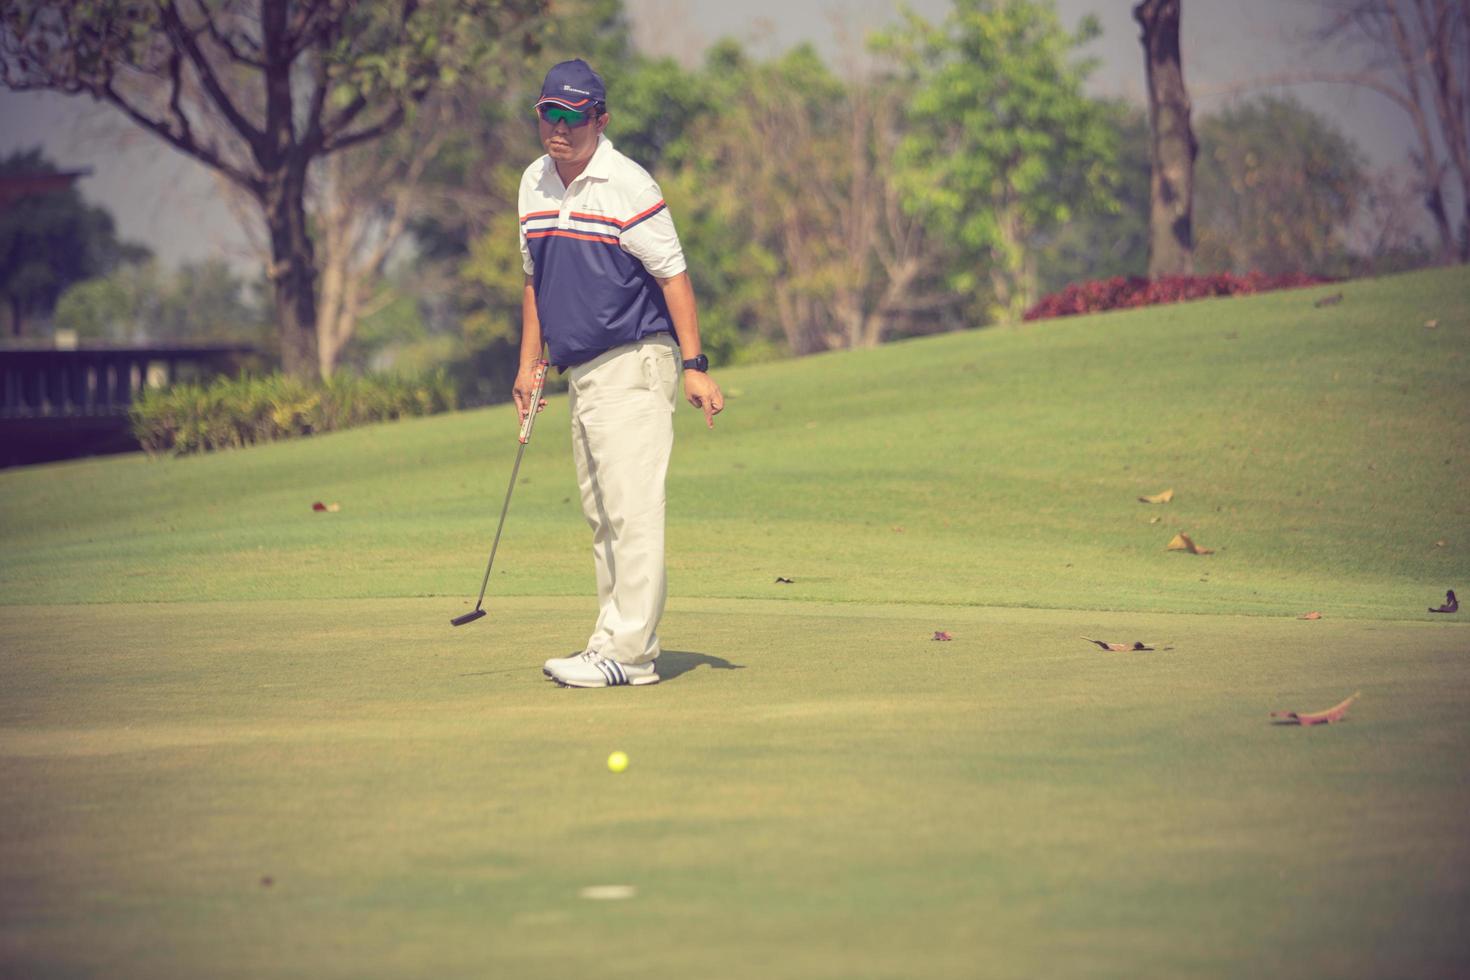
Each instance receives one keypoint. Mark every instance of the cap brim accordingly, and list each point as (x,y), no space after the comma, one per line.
(577,106)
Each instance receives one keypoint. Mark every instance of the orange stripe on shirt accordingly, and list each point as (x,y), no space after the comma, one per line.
(559,233)
(640,217)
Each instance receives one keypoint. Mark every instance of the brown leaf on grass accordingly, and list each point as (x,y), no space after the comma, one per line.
(1162,497)
(1183,542)
(1118,647)
(1332,300)
(1335,713)
(783,580)
(1310,615)
(1451,604)
(941,635)
(1431,324)
(318,506)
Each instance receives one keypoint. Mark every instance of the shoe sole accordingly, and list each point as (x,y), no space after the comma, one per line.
(632,682)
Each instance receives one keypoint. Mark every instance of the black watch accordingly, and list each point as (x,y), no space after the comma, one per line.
(700,363)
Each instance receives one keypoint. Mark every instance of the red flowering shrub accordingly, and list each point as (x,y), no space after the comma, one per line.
(1123,292)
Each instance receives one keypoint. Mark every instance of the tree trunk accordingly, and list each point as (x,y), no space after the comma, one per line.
(293,272)
(1171,187)
(1011,277)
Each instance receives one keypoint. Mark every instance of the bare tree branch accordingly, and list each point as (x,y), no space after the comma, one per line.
(184,38)
(223,40)
(391,122)
(187,145)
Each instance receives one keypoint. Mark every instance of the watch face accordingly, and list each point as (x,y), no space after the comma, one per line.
(700,363)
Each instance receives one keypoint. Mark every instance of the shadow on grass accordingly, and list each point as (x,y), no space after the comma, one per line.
(673,663)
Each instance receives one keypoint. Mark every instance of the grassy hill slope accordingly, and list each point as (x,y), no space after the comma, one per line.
(1320,450)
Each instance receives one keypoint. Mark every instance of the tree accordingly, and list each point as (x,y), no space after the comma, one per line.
(1001,146)
(1171,190)
(1114,242)
(1417,54)
(49,241)
(369,200)
(259,90)
(1278,186)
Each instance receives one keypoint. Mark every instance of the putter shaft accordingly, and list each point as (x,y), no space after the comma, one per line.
(525,438)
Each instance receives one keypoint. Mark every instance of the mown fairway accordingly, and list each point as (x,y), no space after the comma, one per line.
(239,738)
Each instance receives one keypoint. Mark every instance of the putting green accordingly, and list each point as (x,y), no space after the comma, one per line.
(354,789)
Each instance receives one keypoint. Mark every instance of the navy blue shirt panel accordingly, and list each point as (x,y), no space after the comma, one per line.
(592,296)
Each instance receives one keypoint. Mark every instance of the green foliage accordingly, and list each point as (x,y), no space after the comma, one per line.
(50,241)
(655,106)
(741,192)
(1276,187)
(1002,146)
(1103,243)
(230,413)
(204,301)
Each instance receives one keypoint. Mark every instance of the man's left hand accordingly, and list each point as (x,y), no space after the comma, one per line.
(703,393)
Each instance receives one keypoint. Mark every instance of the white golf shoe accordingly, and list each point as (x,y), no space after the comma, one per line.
(592,669)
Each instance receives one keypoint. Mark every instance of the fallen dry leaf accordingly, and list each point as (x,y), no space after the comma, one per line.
(941,635)
(1451,604)
(1328,300)
(1310,615)
(1162,497)
(1431,324)
(1118,647)
(1183,542)
(1335,713)
(1155,519)
(782,580)
(318,506)
(333,507)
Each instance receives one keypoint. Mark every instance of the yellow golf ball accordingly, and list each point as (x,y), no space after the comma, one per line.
(618,761)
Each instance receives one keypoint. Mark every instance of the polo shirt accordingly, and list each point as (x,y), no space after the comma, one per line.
(595,251)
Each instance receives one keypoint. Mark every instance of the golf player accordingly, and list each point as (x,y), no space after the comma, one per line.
(607,294)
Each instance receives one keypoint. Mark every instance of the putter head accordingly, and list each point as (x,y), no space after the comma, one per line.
(468,617)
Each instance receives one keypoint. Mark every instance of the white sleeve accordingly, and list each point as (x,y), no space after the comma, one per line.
(649,235)
(522,207)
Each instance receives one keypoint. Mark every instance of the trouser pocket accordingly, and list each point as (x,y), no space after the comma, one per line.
(660,373)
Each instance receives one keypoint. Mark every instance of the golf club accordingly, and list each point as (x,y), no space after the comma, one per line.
(526,426)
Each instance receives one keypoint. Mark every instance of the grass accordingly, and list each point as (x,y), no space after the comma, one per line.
(1319,450)
(206,685)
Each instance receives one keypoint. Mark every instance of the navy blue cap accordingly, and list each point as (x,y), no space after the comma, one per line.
(572,84)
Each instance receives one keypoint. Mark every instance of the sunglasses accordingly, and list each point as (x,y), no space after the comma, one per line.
(553,114)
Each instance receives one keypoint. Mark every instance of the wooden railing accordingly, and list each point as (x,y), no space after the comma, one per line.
(101,381)
(58,404)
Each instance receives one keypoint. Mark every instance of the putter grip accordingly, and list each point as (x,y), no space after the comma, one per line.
(530,420)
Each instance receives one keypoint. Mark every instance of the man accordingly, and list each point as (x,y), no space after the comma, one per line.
(607,294)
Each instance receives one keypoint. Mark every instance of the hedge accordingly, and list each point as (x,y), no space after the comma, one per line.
(229,413)
(1122,292)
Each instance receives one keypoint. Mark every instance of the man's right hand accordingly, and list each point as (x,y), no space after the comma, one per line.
(524,386)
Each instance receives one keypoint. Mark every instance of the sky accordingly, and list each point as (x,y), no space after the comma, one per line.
(172,204)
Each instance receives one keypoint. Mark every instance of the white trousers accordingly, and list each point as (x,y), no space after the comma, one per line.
(622,409)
